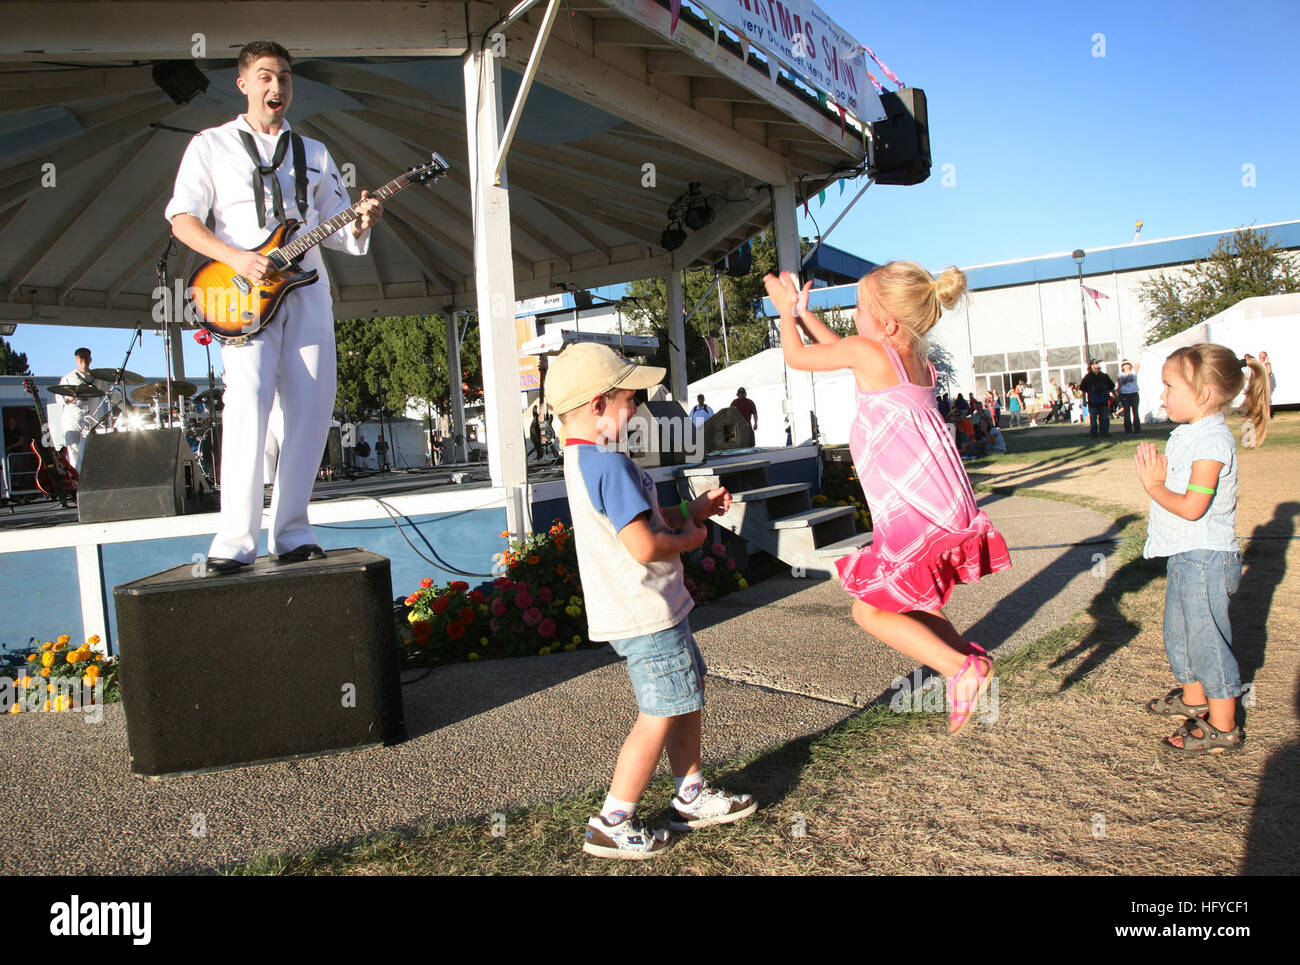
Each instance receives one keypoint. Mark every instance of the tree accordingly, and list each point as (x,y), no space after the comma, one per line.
(1245,265)
(11,362)
(747,333)
(400,360)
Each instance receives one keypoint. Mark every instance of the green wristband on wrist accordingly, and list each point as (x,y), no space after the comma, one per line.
(1200,489)
(686,511)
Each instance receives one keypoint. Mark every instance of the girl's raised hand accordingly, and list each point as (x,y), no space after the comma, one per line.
(801,300)
(780,292)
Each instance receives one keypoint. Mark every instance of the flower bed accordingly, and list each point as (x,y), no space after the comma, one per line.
(840,487)
(56,678)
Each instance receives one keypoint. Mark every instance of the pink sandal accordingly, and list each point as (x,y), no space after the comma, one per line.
(961,711)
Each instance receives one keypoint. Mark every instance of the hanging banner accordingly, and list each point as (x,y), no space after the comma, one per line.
(530,371)
(801,34)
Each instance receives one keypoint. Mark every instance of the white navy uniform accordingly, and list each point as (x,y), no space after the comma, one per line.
(77,416)
(296,352)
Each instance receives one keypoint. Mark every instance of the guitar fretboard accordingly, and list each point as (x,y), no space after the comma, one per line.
(305,242)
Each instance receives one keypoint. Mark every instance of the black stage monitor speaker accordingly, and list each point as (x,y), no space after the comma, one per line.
(662,434)
(901,149)
(138,475)
(275,662)
(728,429)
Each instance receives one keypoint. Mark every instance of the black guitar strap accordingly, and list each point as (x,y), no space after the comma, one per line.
(261,170)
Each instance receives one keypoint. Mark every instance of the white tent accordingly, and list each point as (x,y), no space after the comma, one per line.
(767,383)
(1269,323)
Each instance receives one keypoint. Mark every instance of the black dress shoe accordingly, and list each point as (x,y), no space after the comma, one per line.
(219,565)
(309,552)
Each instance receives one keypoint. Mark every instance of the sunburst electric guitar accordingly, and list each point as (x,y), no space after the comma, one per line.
(235,309)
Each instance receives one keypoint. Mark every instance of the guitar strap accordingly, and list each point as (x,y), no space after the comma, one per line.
(261,170)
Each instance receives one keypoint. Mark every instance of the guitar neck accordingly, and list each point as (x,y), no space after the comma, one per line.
(309,240)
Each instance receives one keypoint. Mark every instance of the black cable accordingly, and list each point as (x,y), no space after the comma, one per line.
(438,561)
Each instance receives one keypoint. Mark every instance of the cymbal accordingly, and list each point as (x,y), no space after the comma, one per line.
(77,391)
(108,375)
(149,390)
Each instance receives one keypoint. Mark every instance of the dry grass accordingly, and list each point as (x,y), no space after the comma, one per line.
(1071,779)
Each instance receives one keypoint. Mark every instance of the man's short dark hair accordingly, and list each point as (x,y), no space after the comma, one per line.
(740,391)
(261,48)
(82,353)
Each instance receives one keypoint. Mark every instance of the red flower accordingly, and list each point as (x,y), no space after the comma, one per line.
(546,628)
(504,583)
(455,631)
(458,585)
(532,616)
(440,605)
(544,595)
(731,564)
(498,607)
(421,628)
(523,599)
(476,596)
(466,616)
(413,599)
(426,582)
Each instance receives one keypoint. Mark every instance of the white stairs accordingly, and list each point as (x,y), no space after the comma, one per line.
(778,519)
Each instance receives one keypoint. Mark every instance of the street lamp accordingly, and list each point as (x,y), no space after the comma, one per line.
(1083,307)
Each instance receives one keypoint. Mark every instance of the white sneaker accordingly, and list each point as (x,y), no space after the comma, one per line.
(630,839)
(710,806)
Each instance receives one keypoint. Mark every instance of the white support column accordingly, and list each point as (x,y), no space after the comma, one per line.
(94,597)
(786,227)
(460,449)
(178,351)
(677,339)
(494,278)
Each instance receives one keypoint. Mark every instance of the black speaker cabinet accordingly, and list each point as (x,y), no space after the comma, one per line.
(901,142)
(275,662)
(138,475)
(662,434)
(333,456)
(728,429)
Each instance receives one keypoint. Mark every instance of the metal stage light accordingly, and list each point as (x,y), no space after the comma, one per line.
(673,237)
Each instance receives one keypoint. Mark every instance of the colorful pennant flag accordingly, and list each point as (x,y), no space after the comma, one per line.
(1095,295)
(716,23)
(676,7)
(888,73)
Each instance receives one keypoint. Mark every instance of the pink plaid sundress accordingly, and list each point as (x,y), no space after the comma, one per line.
(928,532)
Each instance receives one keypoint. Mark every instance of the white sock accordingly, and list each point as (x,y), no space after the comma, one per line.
(691,783)
(616,811)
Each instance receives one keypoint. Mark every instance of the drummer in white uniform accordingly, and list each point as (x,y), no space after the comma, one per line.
(79,413)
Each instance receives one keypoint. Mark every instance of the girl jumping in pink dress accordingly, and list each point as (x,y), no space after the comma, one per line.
(928,533)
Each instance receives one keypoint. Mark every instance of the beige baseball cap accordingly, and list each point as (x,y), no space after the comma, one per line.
(585,370)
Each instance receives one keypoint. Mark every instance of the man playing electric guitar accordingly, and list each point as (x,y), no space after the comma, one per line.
(219,176)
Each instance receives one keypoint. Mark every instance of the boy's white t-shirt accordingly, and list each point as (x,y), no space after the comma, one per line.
(624,597)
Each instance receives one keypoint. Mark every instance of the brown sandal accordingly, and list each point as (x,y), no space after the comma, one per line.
(1212,741)
(1172,705)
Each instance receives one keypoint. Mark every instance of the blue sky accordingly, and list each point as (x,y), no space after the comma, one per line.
(1051,147)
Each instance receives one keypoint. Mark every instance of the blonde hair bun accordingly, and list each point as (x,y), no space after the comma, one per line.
(950,287)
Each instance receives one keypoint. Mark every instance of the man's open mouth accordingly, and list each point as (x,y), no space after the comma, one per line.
(275,103)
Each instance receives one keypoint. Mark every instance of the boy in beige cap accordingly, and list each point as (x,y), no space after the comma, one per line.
(629,557)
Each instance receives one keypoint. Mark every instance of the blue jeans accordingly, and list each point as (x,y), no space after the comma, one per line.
(666,670)
(1198,635)
(1099,412)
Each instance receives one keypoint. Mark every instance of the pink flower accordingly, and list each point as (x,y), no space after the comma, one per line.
(504,583)
(546,628)
(498,607)
(708,564)
(494,624)
(544,595)
(718,549)
(523,599)
(532,616)
(731,564)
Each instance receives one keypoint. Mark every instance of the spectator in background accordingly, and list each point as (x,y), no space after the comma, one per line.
(997,443)
(945,405)
(1097,387)
(746,407)
(1128,397)
(1014,406)
(381,453)
(1029,399)
(701,413)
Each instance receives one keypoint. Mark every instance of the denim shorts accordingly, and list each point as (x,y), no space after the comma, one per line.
(666,670)
(1198,636)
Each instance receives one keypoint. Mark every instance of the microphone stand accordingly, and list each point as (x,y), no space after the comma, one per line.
(117,378)
(160,270)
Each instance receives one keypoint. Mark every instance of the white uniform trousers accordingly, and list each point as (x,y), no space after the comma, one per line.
(74,421)
(296,353)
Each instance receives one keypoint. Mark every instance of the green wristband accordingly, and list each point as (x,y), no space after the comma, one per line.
(1200,489)
(686,511)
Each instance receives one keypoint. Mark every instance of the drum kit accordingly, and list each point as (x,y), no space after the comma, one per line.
(144,407)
